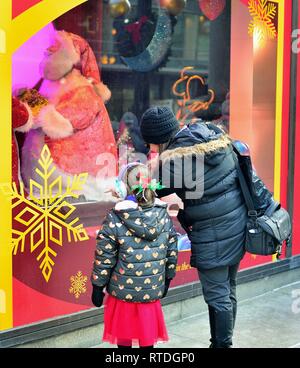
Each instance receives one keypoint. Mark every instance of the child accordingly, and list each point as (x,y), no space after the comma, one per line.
(136,258)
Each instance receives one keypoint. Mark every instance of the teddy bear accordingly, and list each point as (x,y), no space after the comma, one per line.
(75,124)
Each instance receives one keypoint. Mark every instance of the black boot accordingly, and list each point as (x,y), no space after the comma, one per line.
(223,328)
(124,347)
(212,326)
(147,347)
(234,312)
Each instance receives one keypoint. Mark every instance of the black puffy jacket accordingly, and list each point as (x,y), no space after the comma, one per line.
(216,215)
(136,251)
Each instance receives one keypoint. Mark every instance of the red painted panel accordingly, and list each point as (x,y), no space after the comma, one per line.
(19,6)
(296,219)
(33,306)
(286,101)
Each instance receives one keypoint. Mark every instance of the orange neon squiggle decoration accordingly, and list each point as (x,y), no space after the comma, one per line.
(186,106)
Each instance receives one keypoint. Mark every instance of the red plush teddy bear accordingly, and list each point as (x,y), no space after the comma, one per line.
(22,121)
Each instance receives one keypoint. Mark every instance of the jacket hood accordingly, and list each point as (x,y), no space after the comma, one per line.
(146,223)
(198,139)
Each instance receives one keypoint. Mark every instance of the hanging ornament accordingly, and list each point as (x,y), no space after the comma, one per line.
(144,43)
(212,9)
(156,52)
(174,7)
(135,29)
(118,8)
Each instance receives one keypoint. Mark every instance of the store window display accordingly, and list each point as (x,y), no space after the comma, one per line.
(80,95)
(75,123)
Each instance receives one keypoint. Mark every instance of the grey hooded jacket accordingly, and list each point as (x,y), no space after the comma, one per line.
(136,250)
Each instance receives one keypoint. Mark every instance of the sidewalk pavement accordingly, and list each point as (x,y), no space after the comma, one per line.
(270,320)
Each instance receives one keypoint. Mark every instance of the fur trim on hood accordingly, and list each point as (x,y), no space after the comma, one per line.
(198,149)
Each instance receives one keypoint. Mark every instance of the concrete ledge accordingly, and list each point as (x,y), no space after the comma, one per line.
(84,329)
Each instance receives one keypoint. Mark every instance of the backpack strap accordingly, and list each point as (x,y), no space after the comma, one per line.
(244,187)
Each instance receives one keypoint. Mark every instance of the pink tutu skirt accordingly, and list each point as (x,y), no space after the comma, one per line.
(130,324)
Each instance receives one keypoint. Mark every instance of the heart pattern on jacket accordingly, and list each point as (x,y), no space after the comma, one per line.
(140,254)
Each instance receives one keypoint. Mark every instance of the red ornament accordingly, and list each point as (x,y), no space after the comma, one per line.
(212,8)
(135,29)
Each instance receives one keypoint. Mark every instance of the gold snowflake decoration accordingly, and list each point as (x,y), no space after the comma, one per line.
(43,218)
(262,26)
(78,286)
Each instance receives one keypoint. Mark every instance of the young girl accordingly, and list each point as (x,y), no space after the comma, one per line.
(135,260)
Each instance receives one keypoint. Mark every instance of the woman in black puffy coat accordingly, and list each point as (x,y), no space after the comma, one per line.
(197,164)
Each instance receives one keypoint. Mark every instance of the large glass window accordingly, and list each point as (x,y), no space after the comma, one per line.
(87,78)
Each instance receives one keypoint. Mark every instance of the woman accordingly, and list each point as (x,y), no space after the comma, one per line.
(214,217)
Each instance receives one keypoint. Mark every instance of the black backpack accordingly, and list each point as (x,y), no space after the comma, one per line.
(269,225)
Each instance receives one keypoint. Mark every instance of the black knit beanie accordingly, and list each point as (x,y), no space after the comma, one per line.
(158,125)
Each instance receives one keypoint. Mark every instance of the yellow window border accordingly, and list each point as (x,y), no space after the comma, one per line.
(279,98)
(13,33)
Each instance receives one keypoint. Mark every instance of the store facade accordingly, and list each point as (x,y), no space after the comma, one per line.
(236,58)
